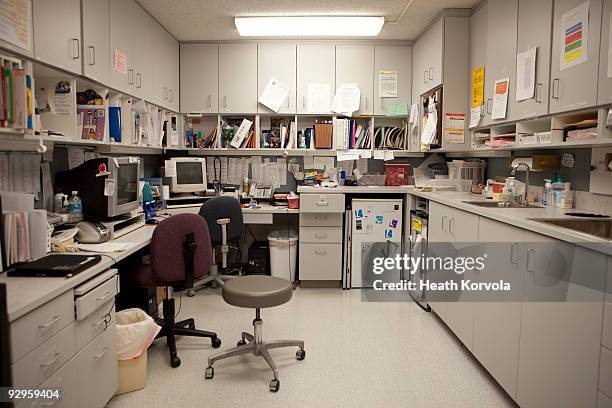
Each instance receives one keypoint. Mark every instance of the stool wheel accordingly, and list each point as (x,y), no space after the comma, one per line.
(209,373)
(175,361)
(300,354)
(274,385)
(216,342)
(190,292)
(241,343)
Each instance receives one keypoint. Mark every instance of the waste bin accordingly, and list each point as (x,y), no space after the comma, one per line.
(283,253)
(136,330)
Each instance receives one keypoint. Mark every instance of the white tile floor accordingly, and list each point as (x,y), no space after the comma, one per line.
(358,355)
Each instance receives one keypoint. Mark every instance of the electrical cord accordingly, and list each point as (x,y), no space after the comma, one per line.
(217,177)
(180,305)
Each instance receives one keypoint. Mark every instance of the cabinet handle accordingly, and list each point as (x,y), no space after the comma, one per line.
(225,102)
(77,55)
(320,236)
(288,99)
(487,107)
(514,253)
(366,102)
(209,101)
(51,323)
(530,259)
(538,95)
(99,323)
(425,76)
(431,73)
(304,101)
(102,353)
(139,80)
(555,89)
(444,217)
(106,296)
(165,93)
(53,360)
(324,252)
(131,76)
(92,55)
(322,204)
(171,92)
(451,226)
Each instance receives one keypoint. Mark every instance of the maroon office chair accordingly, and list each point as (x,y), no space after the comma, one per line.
(180,252)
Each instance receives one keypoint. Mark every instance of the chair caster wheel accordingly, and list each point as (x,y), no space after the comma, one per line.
(216,342)
(190,292)
(175,361)
(300,354)
(241,343)
(274,385)
(209,373)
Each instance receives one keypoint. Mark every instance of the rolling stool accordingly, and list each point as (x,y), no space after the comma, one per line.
(256,292)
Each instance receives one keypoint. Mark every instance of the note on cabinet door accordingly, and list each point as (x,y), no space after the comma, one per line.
(574,36)
(387,84)
(319,98)
(525,74)
(347,99)
(274,94)
(500,98)
(477,86)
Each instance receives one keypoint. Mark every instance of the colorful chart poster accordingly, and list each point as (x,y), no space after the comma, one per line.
(500,98)
(575,36)
(454,128)
(477,86)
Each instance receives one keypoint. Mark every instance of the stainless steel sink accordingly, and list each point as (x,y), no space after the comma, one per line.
(598,227)
(499,204)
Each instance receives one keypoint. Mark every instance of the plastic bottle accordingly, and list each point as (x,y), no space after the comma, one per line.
(547,194)
(511,189)
(75,208)
(148,204)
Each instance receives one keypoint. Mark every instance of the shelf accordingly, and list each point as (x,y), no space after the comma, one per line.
(261,152)
(114,148)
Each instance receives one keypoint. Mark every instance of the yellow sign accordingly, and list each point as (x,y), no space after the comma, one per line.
(477,87)
(416,225)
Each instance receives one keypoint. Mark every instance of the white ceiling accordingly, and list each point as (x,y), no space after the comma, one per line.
(199,20)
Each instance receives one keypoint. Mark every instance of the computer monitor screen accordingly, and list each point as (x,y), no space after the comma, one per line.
(127,183)
(189,173)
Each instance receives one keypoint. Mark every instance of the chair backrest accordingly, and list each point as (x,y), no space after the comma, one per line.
(167,248)
(223,207)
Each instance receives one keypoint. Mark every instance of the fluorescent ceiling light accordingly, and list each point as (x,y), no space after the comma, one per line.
(356,26)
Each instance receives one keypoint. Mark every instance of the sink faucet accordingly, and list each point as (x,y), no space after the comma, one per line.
(527,169)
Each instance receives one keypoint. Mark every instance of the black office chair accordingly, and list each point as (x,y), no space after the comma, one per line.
(225,224)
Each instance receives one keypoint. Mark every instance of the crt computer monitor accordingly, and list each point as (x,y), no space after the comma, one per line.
(190,175)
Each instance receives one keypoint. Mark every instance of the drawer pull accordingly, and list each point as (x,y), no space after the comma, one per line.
(324,252)
(56,357)
(322,203)
(320,236)
(101,322)
(106,295)
(50,403)
(51,323)
(320,217)
(99,356)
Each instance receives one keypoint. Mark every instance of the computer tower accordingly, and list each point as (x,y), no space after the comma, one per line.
(259,258)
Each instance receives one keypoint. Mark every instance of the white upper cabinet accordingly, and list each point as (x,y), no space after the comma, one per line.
(143,28)
(238,78)
(392,58)
(534,30)
(277,61)
(122,13)
(199,78)
(57,33)
(478,45)
(355,64)
(428,59)
(315,65)
(96,40)
(501,54)
(574,87)
(604,94)
(165,89)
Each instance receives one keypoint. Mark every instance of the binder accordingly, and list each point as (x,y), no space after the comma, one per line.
(8,89)
(19,99)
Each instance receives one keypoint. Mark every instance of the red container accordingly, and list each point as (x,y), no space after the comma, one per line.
(397,174)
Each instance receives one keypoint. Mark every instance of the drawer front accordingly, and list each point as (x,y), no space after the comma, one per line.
(67,381)
(323,203)
(320,220)
(38,326)
(97,370)
(606,338)
(314,235)
(253,218)
(603,401)
(320,261)
(94,324)
(44,361)
(92,300)
(605,371)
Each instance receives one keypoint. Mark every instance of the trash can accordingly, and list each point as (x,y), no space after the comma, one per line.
(136,330)
(283,253)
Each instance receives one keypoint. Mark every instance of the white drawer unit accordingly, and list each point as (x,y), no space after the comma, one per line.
(94,324)
(320,220)
(41,324)
(97,370)
(605,371)
(322,203)
(42,362)
(318,235)
(67,381)
(320,262)
(95,293)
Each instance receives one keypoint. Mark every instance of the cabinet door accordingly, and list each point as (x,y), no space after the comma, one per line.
(478,47)
(160,87)
(392,58)
(199,78)
(604,93)
(315,65)
(122,13)
(96,40)
(573,87)
(238,78)
(561,323)
(143,29)
(434,54)
(57,33)
(439,240)
(501,53)
(277,61)
(173,74)
(534,30)
(497,322)
(355,64)
(420,74)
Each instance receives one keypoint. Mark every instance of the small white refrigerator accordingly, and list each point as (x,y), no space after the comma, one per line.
(376,231)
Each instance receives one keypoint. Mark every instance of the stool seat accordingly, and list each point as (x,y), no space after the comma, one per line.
(257,291)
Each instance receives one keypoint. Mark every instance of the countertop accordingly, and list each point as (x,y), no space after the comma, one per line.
(354,189)
(520,217)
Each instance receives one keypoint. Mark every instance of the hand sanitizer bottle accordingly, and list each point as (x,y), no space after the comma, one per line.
(511,190)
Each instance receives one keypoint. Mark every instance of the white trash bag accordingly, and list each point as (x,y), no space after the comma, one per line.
(136,330)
